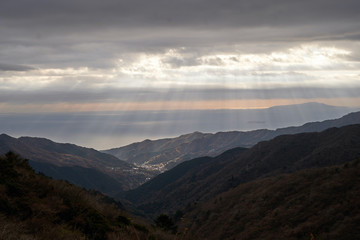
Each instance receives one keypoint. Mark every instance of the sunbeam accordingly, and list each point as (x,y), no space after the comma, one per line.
(170,72)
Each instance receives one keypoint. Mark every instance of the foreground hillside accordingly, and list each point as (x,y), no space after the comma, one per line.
(78,165)
(164,154)
(205,179)
(33,206)
(323,203)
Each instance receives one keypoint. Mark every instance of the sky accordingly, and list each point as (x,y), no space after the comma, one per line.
(165,55)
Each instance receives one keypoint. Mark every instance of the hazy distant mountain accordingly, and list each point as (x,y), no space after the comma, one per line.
(104,130)
(83,166)
(202,181)
(164,154)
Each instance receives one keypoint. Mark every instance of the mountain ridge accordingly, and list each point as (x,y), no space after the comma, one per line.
(163,154)
(283,154)
(43,152)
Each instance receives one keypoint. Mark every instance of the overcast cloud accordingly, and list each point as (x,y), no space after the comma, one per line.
(261,44)
(88,32)
(91,55)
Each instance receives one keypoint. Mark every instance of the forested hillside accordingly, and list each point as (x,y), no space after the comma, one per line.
(320,203)
(33,206)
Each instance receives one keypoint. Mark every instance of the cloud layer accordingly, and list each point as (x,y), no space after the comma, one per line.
(85,52)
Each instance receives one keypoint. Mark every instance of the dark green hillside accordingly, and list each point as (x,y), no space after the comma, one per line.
(33,206)
(89,178)
(323,203)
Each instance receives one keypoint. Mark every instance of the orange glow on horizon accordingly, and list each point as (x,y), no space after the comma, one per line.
(172,105)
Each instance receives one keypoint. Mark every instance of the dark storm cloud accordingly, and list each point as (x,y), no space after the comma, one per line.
(41,19)
(14,67)
(67,13)
(49,33)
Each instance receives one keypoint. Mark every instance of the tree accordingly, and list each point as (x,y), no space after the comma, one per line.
(165,222)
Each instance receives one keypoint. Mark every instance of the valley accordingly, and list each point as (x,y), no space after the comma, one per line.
(305,176)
